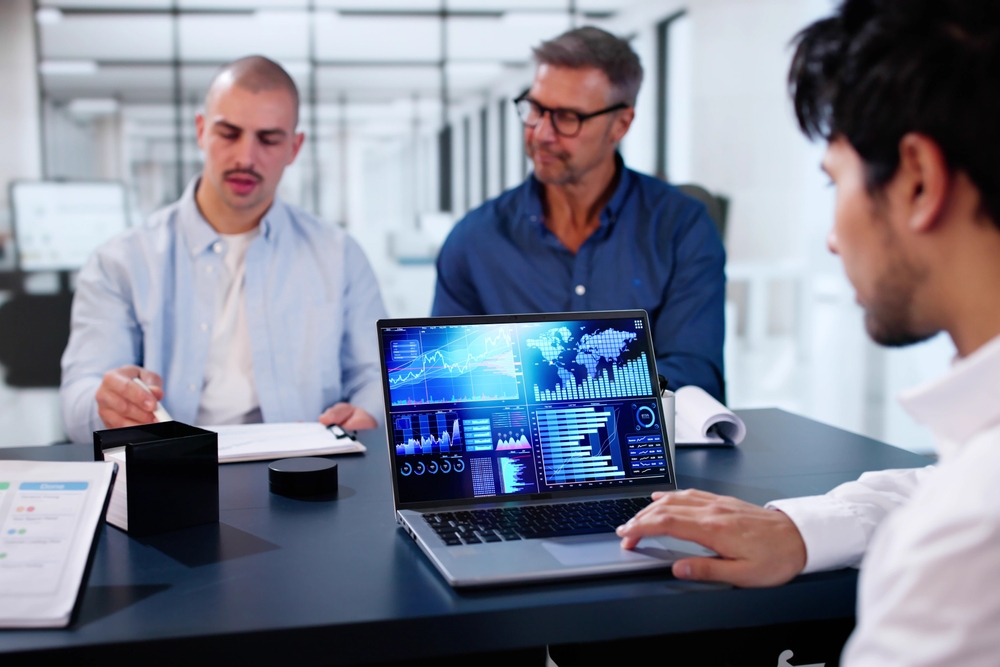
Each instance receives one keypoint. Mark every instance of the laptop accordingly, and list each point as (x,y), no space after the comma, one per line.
(518,443)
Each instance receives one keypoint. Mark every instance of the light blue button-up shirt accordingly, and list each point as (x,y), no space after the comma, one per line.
(148,298)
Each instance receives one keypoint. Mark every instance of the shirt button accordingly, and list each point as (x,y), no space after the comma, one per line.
(209,269)
(580,290)
(204,326)
(217,247)
(534,218)
(192,387)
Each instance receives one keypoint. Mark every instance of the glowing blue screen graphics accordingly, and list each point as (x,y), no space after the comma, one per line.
(487,410)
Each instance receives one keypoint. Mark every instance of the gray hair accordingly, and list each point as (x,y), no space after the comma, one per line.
(592,47)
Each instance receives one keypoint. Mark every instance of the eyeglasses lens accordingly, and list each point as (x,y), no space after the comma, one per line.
(565,122)
(528,112)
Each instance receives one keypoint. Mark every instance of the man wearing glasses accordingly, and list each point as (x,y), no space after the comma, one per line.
(584,232)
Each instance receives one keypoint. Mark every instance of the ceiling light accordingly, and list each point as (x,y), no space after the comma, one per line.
(48,16)
(93,107)
(68,67)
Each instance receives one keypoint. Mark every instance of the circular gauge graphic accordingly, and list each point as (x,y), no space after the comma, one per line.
(646,417)
(432,467)
(445,466)
(406,469)
(420,468)
(459,465)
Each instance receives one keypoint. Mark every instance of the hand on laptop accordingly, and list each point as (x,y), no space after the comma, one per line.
(347,416)
(758,547)
(122,402)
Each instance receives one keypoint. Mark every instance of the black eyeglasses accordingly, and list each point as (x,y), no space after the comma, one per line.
(565,122)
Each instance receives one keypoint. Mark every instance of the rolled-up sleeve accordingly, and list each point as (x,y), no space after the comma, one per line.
(104,334)
(359,357)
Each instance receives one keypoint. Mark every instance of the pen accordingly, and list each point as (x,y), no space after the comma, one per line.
(158,412)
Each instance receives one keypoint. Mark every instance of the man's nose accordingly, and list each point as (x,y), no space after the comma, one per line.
(245,150)
(545,130)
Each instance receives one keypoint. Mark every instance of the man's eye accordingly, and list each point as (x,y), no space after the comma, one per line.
(268,142)
(230,135)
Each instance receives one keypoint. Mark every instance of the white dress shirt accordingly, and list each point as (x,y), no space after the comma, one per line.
(927,539)
(229,395)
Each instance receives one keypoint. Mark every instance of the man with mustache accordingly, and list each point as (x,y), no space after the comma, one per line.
(584,232)
(230,305)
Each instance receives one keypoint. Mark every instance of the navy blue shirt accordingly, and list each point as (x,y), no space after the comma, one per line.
(656,249)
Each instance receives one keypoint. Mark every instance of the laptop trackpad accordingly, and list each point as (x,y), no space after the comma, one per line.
(599,549)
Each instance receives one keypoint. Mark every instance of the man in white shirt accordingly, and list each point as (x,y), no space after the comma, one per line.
(907,94)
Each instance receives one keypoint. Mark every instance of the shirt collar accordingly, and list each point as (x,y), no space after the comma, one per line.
(199,235)
(532,203)
(961,403)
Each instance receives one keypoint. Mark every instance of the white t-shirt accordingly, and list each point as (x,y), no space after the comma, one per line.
(229,395)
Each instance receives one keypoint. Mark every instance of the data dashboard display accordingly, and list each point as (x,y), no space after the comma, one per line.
(58,225)
(489,410)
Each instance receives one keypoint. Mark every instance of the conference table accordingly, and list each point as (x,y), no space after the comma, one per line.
(335,581)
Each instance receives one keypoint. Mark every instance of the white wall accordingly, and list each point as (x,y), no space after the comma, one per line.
(20,145)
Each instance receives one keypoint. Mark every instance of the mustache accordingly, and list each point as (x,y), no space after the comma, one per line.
(535,149)
(243,172)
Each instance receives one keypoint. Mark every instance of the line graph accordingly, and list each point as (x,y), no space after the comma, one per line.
(454,365)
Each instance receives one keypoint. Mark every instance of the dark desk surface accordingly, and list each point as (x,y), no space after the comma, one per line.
(338,580)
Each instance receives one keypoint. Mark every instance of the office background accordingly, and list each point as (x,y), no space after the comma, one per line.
(406,107)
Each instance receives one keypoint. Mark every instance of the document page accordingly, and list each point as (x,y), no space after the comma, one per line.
(702,420)
(255,442)
(49,514)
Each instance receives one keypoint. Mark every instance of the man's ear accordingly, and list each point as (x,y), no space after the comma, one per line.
(199,127)
(621,124)
(297,142)
(925,180)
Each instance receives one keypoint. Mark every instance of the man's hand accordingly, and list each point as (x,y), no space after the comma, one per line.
(122,402)
(758,547)
(347,416)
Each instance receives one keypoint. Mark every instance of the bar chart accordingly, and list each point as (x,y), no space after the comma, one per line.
(630,379)
(579,445)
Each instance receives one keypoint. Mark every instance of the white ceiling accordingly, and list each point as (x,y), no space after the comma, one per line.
(368,50)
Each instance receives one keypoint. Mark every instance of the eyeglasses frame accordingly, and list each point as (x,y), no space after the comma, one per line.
(582,116)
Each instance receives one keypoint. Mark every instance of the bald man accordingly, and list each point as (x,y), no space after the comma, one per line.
(230,305)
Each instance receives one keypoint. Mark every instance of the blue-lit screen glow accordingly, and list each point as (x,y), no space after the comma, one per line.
(485,410)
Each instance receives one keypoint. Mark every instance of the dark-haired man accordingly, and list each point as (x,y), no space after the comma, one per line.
(230,305)
(584,232)
(907,95)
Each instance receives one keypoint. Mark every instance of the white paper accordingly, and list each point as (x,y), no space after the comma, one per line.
(256,442)
(118,507)
(48,518)
(698,412)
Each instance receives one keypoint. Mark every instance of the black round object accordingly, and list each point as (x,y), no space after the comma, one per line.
(305,476)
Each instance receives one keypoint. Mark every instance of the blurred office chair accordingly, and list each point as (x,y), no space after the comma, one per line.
(717,205)
(34,330)
(718,210)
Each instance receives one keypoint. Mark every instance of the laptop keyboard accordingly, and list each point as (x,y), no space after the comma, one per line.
(533,521)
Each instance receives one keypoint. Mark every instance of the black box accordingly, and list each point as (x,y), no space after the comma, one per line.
(172,473)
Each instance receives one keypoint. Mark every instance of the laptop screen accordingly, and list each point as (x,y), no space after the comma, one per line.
(486,411)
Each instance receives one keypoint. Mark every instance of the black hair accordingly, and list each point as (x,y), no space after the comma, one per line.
(879,69)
